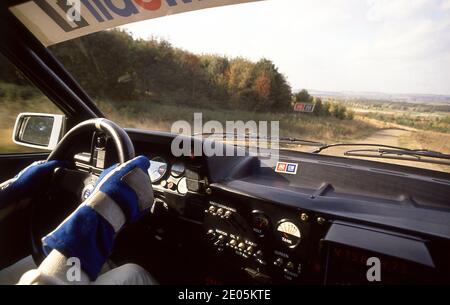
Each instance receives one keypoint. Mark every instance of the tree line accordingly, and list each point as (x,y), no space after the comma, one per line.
(113,66)
(324,108)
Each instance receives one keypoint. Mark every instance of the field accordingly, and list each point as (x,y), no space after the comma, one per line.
(14,100)
(306,126)
(411,126)
(428,125)
(154,116)
(428,140)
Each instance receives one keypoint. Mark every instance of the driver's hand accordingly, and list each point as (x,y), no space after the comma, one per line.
(123,193)
(28,182)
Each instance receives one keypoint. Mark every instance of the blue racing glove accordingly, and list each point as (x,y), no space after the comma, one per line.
(123,193)
(28,182)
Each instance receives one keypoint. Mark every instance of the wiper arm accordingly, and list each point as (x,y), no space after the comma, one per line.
(417,155)
(282,140)
(289,140)
(324,147)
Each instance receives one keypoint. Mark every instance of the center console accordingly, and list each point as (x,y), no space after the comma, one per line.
(269,244)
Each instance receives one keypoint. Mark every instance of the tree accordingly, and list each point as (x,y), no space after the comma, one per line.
(100,62)
(279,93)
(192,64)
(326,108)
(263,86)
(216,68)
(318,107)
(239,77)
(112,65)
(303,97)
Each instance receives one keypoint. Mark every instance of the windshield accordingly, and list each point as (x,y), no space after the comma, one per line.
(328,71)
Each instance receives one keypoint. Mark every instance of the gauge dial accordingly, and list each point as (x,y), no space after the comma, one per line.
(182,186)
(260,223)
(157,169)
(289,233)
(177,169)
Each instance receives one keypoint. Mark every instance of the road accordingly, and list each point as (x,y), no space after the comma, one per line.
(391,137)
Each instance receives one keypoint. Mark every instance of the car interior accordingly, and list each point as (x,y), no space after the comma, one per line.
(223,219)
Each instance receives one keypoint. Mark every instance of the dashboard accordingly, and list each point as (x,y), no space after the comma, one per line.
(228,220)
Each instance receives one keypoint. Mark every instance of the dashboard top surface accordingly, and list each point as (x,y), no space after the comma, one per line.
(384,195)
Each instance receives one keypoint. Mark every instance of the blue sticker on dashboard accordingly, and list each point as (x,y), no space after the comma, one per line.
(286,168)
(291,168)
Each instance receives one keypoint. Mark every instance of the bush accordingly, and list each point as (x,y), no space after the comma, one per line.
(350,114)
(338,111)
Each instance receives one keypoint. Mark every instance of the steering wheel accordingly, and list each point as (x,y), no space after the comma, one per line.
(65,150)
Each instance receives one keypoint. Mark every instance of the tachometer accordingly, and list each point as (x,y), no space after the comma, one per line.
(289,233)
(157,169)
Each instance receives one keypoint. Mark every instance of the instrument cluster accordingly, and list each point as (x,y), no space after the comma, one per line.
(168,176)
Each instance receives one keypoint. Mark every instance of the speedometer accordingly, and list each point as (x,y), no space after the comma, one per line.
(157,169)
(289,233)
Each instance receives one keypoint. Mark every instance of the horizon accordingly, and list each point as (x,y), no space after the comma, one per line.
(390,47)
(370,92)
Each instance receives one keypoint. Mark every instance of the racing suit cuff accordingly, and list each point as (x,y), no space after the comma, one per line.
(55,270)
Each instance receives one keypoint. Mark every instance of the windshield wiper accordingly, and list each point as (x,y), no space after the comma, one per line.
(281,140)
(416,155)
(320,149)
(392,152)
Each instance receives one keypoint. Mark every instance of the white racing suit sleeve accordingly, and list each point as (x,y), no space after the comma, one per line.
(56,270)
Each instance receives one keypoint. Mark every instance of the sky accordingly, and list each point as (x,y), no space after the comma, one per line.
(391,46)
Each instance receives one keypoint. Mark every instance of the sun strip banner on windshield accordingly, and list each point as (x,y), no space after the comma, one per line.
(54,21)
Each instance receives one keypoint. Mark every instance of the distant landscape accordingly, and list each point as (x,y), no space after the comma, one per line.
(150,84)
(422,120)
(435,99)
